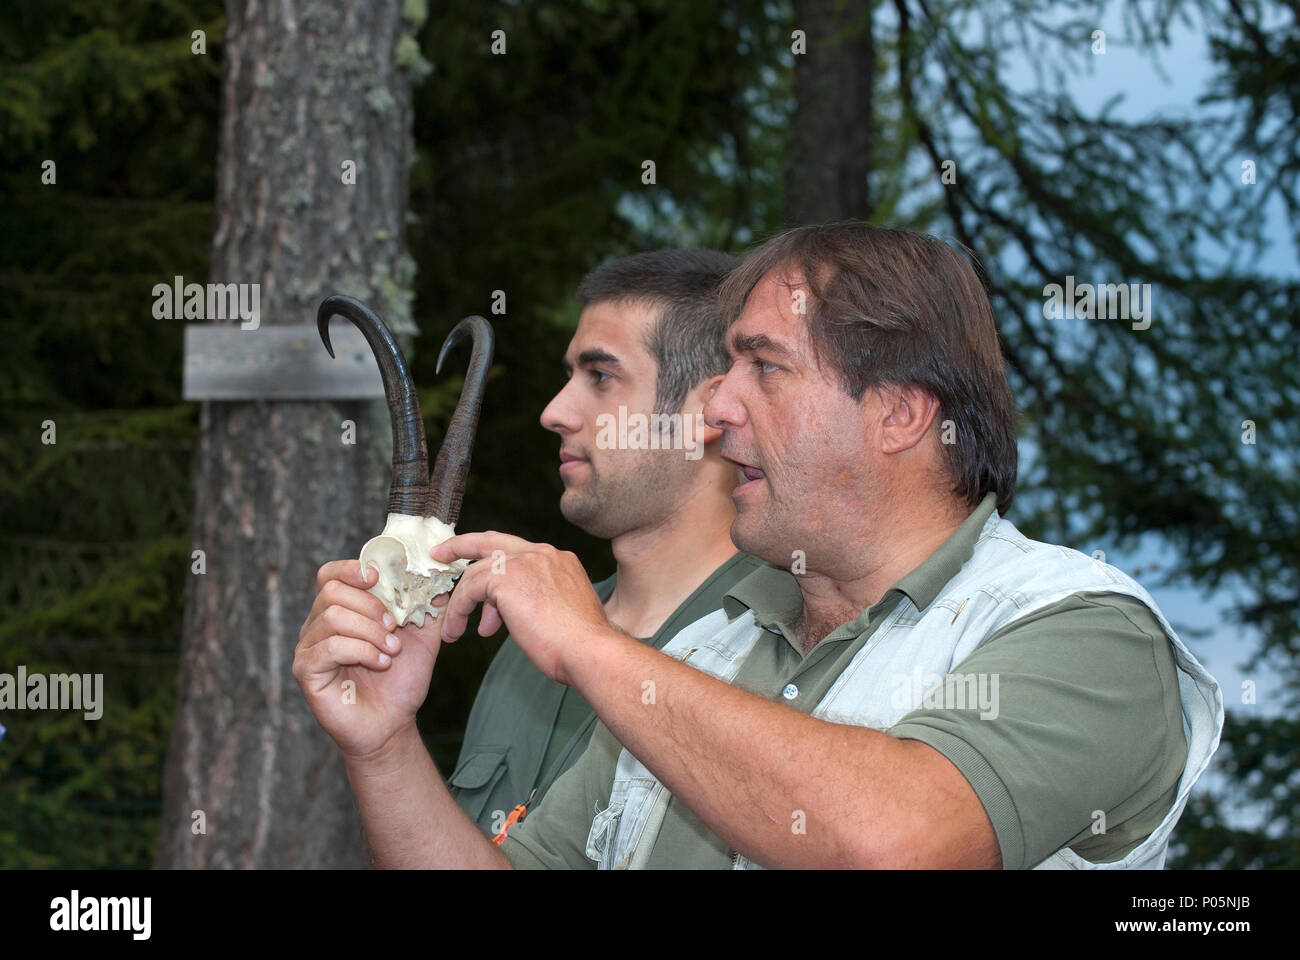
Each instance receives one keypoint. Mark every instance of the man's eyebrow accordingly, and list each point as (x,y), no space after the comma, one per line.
(594,355)
(755,342)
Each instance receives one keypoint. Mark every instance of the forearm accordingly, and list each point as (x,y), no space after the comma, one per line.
(781,787)
(410,819)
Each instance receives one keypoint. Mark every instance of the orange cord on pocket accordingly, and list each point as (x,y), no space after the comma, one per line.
(517,814)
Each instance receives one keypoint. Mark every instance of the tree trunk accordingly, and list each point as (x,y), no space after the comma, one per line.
(305,87)
(829,155)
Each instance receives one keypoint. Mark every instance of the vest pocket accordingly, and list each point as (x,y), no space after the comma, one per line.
(476,778)
(604,827)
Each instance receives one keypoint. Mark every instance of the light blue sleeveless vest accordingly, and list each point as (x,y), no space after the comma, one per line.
(1007,577)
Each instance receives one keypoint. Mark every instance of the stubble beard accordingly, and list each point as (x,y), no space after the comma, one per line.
(609,504)
(761,530)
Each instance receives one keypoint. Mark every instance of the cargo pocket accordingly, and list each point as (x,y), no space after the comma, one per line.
(476,778)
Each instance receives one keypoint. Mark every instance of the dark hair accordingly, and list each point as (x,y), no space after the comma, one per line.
(895,307)
(689,338)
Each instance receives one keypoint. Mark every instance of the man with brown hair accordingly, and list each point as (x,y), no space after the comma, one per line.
(650,340)
(927,687)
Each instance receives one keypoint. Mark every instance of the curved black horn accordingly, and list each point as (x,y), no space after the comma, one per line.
(410,487)
(451,468)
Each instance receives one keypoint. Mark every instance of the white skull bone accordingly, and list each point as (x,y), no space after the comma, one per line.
(409,578)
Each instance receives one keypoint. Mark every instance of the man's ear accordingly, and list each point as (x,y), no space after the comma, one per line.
(909,412)
(694,405)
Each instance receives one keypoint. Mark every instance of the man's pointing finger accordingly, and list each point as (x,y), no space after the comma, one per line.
(477,546)
(469,592)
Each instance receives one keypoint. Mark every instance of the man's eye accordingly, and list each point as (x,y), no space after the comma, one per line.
(599,376)
(766,367)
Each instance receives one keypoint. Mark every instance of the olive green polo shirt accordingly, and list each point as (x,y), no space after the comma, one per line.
(1093,669)
(525,730)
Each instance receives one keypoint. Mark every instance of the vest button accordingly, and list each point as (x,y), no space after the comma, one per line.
(790,691)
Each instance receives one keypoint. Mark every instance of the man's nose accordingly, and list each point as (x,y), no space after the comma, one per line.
(560,415)
(724,411)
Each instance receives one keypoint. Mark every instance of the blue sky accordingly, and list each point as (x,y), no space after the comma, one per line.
(1170,85)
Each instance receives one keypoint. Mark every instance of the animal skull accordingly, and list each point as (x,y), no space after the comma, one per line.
(409,578)
(422,506)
